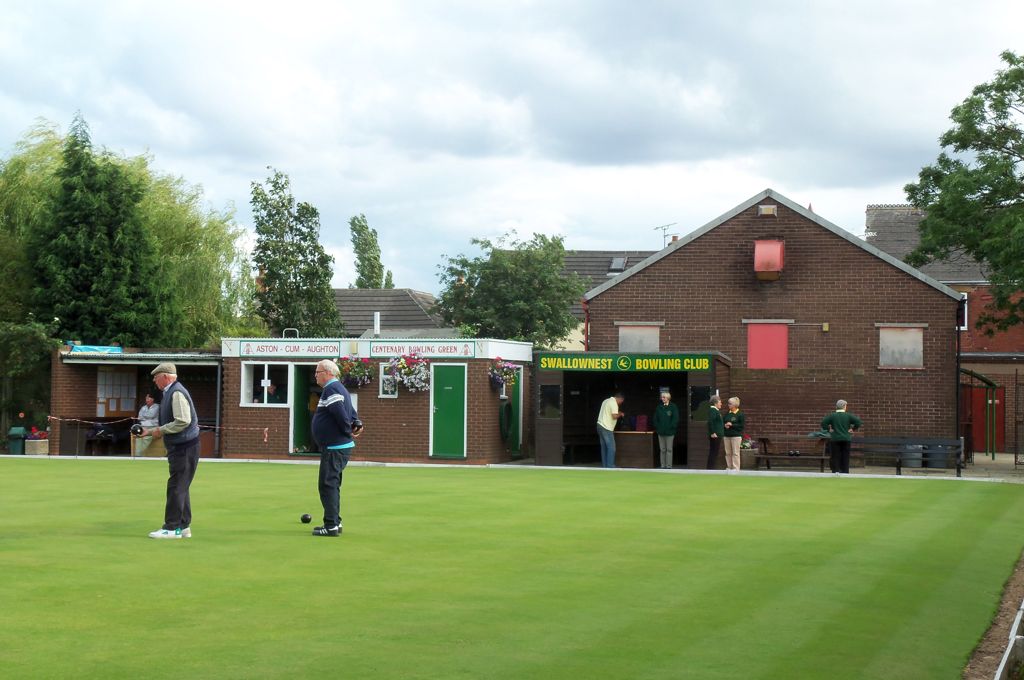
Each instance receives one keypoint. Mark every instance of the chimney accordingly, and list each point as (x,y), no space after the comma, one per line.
(376,324)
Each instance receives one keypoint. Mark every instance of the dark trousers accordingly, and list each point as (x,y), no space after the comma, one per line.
(713,447)
(332,467)
(182,462)
(839,456)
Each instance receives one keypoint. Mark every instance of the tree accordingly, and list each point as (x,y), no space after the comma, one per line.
(973,194)
(94,260)
(294,284)
(203,289)
(516,292)
(25,361)
(28,187)
(203,270)
(369,269)
(207,274)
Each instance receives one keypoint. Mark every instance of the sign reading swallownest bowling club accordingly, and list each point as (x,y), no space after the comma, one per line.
(264,347)
(623,363)
(465,349)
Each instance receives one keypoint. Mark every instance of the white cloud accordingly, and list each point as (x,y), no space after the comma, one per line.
(449,120)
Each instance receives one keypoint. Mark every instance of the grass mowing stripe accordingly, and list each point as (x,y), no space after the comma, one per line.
(872,586)
(496,573)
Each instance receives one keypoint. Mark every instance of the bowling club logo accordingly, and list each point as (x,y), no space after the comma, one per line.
(624,363)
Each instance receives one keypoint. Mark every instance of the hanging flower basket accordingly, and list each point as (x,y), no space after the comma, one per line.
(410,370)
(355,373)
(501,373)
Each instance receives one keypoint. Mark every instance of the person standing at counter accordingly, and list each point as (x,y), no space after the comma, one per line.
(716,430)
(666,423)
(733,422)
(149,416)
(607,418)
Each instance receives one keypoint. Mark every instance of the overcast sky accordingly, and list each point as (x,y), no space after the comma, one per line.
(441,121)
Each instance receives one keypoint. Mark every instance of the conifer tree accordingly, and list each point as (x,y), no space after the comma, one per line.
(294,271)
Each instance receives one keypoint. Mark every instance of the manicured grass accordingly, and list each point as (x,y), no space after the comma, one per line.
(487,573)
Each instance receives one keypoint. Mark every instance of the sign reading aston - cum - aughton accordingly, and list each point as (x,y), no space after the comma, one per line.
(623,362)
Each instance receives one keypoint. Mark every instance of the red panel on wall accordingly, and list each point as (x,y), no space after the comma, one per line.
(767,345)
(768,259)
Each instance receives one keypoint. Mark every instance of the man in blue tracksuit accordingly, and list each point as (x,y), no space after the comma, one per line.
(335,425)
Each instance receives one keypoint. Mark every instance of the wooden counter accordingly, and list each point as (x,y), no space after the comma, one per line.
(634,449)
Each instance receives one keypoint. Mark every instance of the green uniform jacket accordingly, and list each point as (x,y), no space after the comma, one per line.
(737,419)
(666,419)
(840,422)
(715,423)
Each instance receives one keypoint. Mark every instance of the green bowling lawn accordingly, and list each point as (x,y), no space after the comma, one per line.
(497,573)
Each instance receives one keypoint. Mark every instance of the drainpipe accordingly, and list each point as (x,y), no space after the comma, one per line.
(959,315)
(216,418)
(586,324)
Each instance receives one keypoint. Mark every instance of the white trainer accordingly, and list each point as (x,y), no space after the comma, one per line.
(186,532)
(165,533)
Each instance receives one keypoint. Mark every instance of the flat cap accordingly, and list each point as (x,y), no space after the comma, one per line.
(165,367)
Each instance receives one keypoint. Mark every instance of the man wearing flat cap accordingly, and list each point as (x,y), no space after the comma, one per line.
(179,428)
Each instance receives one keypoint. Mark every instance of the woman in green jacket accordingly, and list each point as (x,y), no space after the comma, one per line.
(734,421)
(666,422)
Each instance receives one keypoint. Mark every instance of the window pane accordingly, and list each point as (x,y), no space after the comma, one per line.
(387,387)
(264,384)
(639,338)
(277,391)
(550,401)
(700,402)
(901,347)
(251,390)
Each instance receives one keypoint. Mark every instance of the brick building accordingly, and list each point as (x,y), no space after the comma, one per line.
(462,417)
(793,313)
(998,358)
(96,391)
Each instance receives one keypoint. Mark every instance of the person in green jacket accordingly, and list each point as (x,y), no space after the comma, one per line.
(840,424)
(666,422)
(716,430)
(734,421)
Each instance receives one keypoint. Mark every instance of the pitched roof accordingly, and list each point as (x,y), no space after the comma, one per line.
(596,266)
(400,308)
(413,333)
(892,227)
(751,202)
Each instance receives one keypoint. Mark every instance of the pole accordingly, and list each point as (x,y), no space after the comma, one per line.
(956,387)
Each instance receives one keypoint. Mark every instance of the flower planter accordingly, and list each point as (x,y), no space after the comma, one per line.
(37,447)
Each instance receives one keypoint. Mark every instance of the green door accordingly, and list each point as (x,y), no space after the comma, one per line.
(448,409)
(515,436)
(302,417)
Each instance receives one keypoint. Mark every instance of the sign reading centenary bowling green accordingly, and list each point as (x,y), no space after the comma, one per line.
(592,361)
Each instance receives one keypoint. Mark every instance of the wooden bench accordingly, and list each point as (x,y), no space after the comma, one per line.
(765,453)
(903,451)
(574,439)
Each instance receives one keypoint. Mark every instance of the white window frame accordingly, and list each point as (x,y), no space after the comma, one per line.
(246,386)
(963,296)
(381,394)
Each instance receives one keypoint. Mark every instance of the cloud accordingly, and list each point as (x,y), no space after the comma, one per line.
(452,120)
